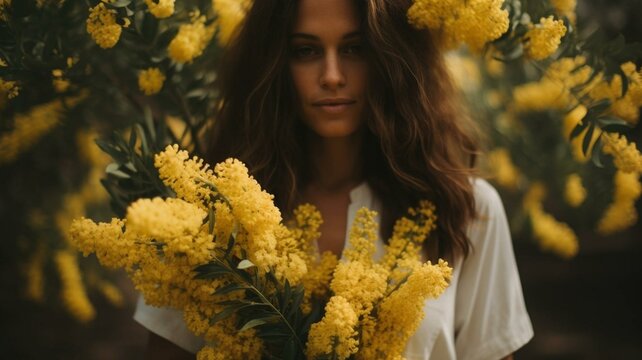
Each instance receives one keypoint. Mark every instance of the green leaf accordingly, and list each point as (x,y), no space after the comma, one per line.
(113,169)
(244,264)
(587,139)
(252,323)
(211,219)
(577,130)
(596,157)
(231,287)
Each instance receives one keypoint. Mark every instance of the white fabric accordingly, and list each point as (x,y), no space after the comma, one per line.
(481,315)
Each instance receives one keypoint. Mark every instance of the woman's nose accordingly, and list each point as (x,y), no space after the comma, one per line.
(332,76)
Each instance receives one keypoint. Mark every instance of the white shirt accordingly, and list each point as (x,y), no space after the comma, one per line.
(481,315)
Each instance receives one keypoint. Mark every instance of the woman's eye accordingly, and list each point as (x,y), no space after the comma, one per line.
(353,49)
(302,52)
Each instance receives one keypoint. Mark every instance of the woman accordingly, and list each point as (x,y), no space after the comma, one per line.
(342,104)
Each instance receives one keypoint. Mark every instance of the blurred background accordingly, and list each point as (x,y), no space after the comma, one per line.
(584,303)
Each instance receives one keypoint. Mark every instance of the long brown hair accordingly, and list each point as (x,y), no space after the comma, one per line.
(418,143)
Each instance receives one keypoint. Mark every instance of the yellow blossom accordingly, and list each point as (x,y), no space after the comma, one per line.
(473,22)
(335,333)
(574,191)
(160,8)
(73,292)
(625,106)
(400,314)
(553,90)
(111,293)
(502,168)
(626,156)
(184,175)
(34,271)
(229,13)
(565,8)
(102,26)
(190,41)
(30,127)
(10,89)
(621,213)
(150,81)
(164,218)
(571,120)
(403,251)
(544,38)
(553,235)
(464,72)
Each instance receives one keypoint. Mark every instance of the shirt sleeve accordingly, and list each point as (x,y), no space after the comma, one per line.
(167,323)
(491,320)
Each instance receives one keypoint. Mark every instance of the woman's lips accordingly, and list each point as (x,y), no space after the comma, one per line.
(335,108)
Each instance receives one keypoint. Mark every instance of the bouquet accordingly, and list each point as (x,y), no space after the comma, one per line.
(252,284)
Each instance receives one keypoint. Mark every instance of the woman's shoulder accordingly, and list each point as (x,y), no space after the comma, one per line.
(487,199)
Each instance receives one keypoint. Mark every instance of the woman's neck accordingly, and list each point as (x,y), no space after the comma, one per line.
(335,163)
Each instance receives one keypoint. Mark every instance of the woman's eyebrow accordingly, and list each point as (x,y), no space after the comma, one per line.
(350,35)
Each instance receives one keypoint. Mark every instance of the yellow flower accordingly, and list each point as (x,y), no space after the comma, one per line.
(574,192)
(102,26)
(621,213)
(463,71)
(229,13)
(164,219)
(565,8)
(335,333)
(553,235)
(403,252)
(571,120)
(544,38)
(473,22)
(30,127)
(190,41)
(502,168)
(150,81)
(34,271)
(626,156)
(625,106)
(73,293)
(161,8)
(360,284)
(111,293)
(400,313)
(553,90)
(10,89)
(184,175)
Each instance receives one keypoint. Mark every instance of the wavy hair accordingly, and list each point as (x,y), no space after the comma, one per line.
(419,143)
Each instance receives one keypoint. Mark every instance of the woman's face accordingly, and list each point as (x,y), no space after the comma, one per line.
(328,66)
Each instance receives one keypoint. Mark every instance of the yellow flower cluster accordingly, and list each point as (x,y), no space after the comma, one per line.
(30,127)
(59,83)
(571,119)
(552,235)
(621,213)
(335,333)
(185,176)
(161,241)
(191,40)
(502,168)
(401,313)
(626,156)
(552,91)
(625,106)
(565,8)
(73,294)
(574,191)
(408,236)
(544,38)
(151,81)
(34,271)
(161,8)
(9,89)
(102,26)
(229,14)
(473,22)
